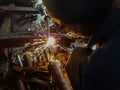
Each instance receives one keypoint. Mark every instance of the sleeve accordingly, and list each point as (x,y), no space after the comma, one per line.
(96,72)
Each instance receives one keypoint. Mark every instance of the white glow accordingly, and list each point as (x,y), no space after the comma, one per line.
(50,41)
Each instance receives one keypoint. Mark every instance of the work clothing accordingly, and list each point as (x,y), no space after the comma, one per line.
(103,69)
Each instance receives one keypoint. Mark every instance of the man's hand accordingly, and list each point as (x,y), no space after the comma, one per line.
(57,74)
(56,71)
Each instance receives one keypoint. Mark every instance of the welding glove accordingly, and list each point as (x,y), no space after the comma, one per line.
(57,74)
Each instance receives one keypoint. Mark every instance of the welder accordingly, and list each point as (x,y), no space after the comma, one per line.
(100,21)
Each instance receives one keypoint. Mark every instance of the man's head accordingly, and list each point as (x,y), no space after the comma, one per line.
(83,12)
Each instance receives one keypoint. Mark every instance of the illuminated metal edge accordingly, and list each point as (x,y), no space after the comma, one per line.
(16,9)
(17,40)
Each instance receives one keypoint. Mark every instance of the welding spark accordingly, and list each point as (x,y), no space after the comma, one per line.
(50,41)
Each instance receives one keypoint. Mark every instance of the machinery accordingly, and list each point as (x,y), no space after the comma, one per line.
(29,40)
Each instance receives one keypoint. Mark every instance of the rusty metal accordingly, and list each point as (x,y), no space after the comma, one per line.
(41,82)
(27,60)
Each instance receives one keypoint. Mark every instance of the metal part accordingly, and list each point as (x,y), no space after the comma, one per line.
(27,60)
(28,56)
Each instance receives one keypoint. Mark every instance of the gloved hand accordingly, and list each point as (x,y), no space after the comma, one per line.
(57,74)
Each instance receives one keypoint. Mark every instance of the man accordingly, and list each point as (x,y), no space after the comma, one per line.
(100,20)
